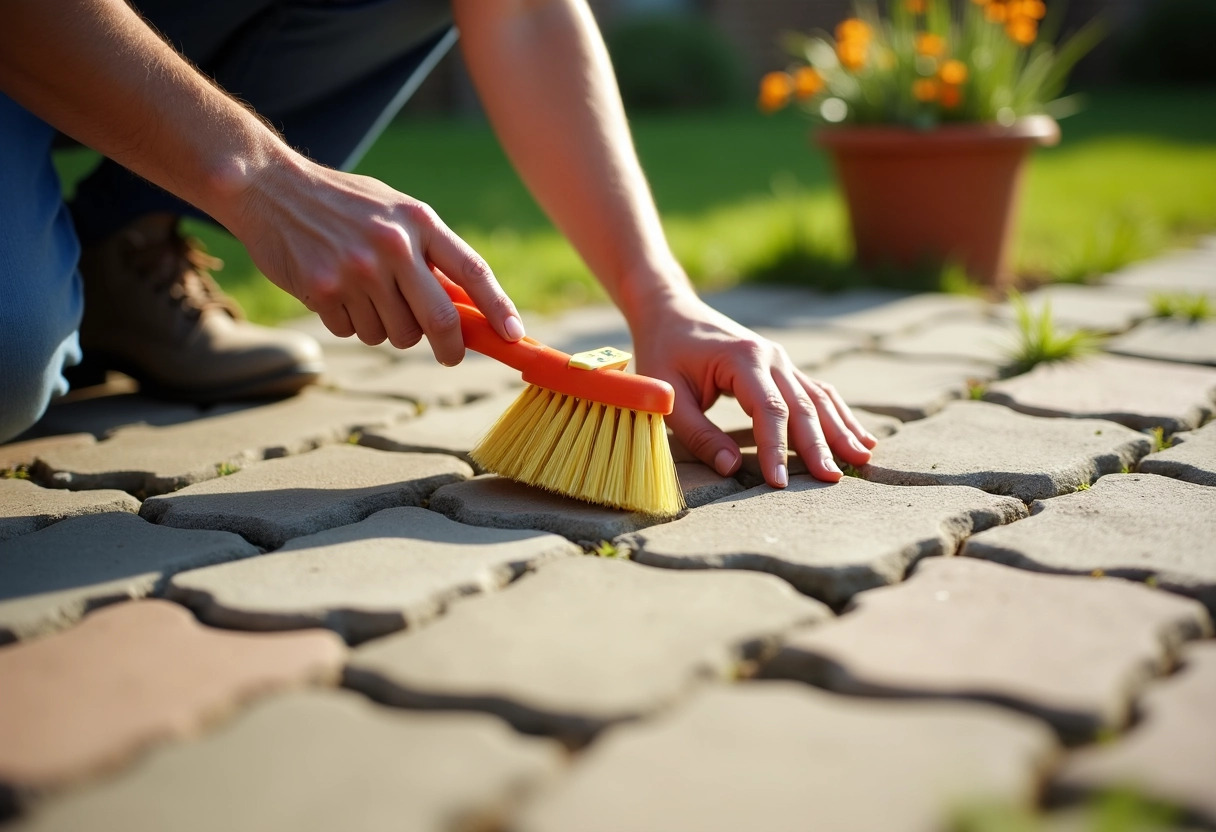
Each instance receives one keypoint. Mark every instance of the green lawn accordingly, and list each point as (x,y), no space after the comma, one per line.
(744,197)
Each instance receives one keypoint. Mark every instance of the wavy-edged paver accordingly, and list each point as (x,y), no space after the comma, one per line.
(448,430)
(1170,754)
(271,502)
(582,643)
(782,757)
(1074,651)
(146,460)
(730,417)
(51,577)
(1093,308)
(318,760)
(830,541)
(809,348)
(431,384)
(1191,458)
(1000,451)
(970,339)
(899,314)
(1191,342)
(1136,392)
(1137,526)
(1192,271)
(26,507)
(398,568)
(904,388)
(87,699)
(15,455)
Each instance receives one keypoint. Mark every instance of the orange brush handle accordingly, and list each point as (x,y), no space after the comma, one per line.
(550,368)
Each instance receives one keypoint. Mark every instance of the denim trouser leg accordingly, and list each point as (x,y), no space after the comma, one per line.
(329,74)
(40,291)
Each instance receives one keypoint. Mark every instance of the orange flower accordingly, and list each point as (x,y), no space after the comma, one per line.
(1034,9)
(929,44)
(953,72)
(996,12)
(853,29)
(925,89)
(807,82)
(951,96)
(852,53)
(1023,30)
(915,6)
(775,91)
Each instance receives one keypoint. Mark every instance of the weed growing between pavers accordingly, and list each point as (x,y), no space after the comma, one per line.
(1110,811)
(1039,341)
(1160,441)
(1191,307)
(225,469)
(607,549)
(21,472)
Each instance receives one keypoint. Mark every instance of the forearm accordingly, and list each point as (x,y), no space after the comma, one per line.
(547,84)
(93,69)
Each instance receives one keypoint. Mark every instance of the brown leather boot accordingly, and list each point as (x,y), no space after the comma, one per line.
(153,312)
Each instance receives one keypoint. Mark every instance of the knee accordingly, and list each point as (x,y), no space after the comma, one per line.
(31,374)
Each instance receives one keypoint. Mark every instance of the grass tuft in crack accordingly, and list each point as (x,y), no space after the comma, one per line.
(1188,307)
(1040,342)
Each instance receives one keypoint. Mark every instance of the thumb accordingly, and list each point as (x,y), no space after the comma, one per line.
(702,437)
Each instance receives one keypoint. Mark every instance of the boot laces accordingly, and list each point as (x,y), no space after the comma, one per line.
(181,270)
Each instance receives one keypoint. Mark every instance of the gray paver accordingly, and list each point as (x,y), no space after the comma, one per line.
(26,507)
(432,384)
(788,307)
(149,460)
(829,541)
(1135,392)
(442,430)
(1191,342)
(903,314)
(495,501)
(780,757)
(732,419)
(702,485)
(903,388)
(50,578)
(1136,526)
(1188,271)
(398,568)
(101,416)
(1192,458)
(813,347)
(969,339)
(582,643)
(1093,308)
(1002,452)
(1080,652)
(22,454)
(317,761)
(271,502)
(584,328)
(1171,754)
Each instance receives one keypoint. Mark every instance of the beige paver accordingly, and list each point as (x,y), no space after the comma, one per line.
(1192,458)
(1192,271)
(271,502)
(1074,651)
(398,568)
(582,643)
(22,454)
(450,430)
(1189,342)
(433,385)
(970,339)
(1094,308)
(904,388)
(26,507)
(809,348)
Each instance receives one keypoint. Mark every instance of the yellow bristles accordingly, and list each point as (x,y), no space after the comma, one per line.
(583,449)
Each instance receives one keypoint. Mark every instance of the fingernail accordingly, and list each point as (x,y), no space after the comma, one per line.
(831,466)
(724,461)
(857,446)
(514,327)
(782,476)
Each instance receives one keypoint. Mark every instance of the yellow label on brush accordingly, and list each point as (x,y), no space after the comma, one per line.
(605,358)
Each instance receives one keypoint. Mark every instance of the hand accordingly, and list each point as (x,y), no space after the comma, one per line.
(703,353)
(360,255)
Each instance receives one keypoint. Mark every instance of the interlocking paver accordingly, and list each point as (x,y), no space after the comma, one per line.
(21,454)
(903,314)
(1094,308)
(787,307)
(780,757)
(314,760)
(1189,271)
(970,339)
(453,430)
(1080,652)
(1170,754)
(1136,392)
(148,460)
(398,568)
(829,541)
(432,384)
(582,643)
(26,507)
(904,388)
(132,674)
(1192,458)
(343,366)
(102,415)
(732,419)
(50,578)
(1191,342)
(1002,452)
(813,347)
(702,485)
(271,502)
(585,328)
(1136,526)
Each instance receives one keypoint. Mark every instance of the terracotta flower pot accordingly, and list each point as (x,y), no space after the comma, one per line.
(945,194)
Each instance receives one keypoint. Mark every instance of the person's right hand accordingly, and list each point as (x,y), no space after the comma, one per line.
(360,254)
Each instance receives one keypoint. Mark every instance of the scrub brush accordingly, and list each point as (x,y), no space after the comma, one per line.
(583,427)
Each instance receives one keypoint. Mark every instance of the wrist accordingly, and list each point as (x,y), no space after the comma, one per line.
(238,179)
(650,293)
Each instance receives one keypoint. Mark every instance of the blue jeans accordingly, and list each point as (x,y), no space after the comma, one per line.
(329,74)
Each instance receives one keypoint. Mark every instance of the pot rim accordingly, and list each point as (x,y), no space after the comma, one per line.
(1036,129)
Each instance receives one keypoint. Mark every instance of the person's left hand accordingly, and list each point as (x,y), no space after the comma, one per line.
(702,354)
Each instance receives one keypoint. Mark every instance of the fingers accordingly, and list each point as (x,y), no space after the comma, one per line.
(764,401)
(835,433)
(806,428)
(701,436)
(855,427)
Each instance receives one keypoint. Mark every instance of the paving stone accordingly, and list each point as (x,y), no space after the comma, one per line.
(1135,392)
(101,416)
(449,430)
(50,578)
(977,339)
(781,757)
(147,460)
(994,449)
(912,312)
(21,454)
(583,328)
(1170,754)
(129,675)
(790,308)
(730,416)
(318,760)
(813,347)
(25,507)
(343,366)
(1081,650)
(903,388)
(398,568)
(271,502)
(582,643)
(1191,342)
(828,541)
(1137,526)
(1093,308)
(1192,272)
(1192,457)
(702,485)
(434,385)
(501,503)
